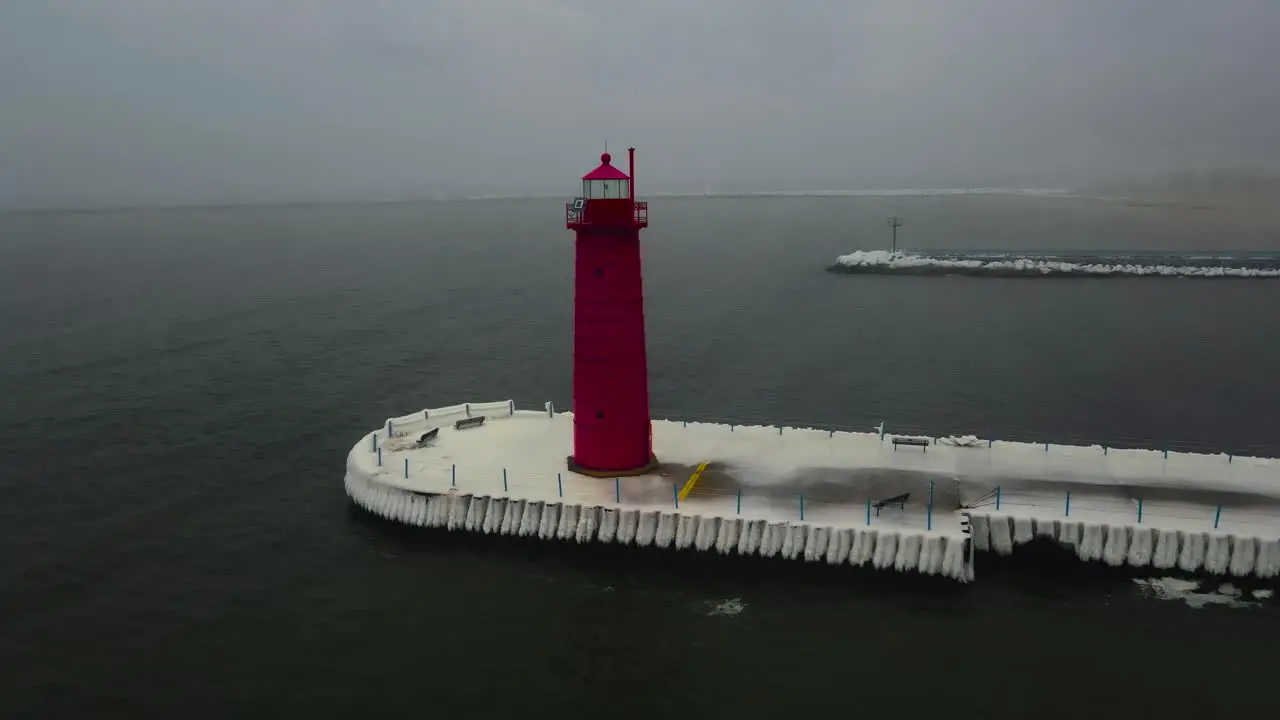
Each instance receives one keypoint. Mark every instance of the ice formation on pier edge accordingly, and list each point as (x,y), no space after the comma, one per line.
(514,494)
(1119,544)
(882,549)
(1192,552)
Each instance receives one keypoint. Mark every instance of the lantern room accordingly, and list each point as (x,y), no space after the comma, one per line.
(608,199)
(606,182)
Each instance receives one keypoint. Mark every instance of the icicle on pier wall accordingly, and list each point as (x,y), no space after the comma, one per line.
(548,520)
(824,496)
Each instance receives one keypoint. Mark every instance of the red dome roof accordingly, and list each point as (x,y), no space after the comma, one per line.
(606,171)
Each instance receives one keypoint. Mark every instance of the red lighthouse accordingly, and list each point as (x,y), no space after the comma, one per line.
(612,433)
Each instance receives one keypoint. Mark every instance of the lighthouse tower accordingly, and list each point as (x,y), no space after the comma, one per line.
(612,433)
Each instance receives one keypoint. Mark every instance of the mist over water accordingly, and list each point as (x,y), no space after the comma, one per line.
(143,104)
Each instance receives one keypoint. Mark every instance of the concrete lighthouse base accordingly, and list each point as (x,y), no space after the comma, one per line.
(649,467)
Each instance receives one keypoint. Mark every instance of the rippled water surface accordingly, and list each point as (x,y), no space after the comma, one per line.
(180,388)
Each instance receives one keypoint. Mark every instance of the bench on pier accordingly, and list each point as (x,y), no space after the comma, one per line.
(427,437)
(913,442)
(464,423)
(899,500)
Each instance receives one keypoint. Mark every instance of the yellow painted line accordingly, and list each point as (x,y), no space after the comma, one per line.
(693,480)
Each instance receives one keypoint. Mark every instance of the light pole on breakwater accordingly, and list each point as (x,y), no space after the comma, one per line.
(895,222)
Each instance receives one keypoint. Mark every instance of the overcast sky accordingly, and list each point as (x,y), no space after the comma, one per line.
(176,101)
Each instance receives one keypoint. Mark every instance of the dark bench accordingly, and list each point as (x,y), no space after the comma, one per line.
(427,437)
(476,421)
(913,442)
(899,500)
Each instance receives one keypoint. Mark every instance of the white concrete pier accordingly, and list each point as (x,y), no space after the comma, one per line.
(812,494)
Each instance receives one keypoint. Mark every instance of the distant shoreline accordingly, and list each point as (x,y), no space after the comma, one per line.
(825,193)
(1256,205)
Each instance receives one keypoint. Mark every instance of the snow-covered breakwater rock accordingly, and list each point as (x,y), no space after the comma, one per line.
(883,262)
(822,495)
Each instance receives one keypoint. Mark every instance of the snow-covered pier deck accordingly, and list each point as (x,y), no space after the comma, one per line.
(820,495)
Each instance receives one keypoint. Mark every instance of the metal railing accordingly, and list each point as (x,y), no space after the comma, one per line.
(486,481)
(575,217)
(1131,510)
(750,502)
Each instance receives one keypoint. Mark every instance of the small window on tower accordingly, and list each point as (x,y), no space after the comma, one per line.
(598,272)
(599,414)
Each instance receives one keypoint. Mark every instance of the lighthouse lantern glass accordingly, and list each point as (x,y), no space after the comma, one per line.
(606,189)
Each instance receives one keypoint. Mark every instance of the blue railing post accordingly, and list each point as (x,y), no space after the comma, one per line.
(406,468)
(928,518)
(802,507)
(1068,513)
(468,409)
(373,442)
(868,511)
(675,494)
(559,485)
(739,501)
(504,479)
(997,497)
(379,457)
(1217,517)
(617,490)
(453,475)
(1139,511)
(391,429)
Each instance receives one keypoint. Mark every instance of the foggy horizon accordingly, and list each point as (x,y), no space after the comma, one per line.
(145,102)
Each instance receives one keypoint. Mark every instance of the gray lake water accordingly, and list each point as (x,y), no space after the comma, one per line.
(180,388)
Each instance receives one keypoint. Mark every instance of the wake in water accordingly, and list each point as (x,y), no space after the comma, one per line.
(1003,264)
